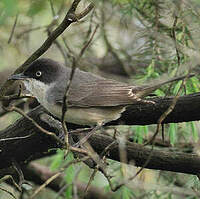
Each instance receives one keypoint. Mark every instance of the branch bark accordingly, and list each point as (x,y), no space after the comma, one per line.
(40,174)
(186,109)
(37,144)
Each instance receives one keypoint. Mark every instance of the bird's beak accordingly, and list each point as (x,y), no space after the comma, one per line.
(19,76)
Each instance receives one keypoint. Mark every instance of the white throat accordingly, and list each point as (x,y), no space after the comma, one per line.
(37,89)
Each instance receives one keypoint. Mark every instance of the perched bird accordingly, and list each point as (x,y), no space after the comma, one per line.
(92,100)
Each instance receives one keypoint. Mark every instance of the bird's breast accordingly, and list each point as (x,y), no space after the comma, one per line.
(90,116)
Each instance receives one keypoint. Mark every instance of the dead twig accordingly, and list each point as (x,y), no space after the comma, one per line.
(5,190)
(168,111)
(16,138)
(70,17)
(13,108)
(132,177)
(19,35)
(90,181)
(46,183)
(13,29)
(66,93)
(59,173)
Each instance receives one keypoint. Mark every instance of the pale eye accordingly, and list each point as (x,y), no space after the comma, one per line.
(38,73)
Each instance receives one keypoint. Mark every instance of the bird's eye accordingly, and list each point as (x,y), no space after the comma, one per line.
(38,73)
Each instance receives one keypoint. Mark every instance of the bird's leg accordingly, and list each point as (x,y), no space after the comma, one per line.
(84,139)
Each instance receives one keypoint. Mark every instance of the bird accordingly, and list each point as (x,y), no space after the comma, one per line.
(92,100)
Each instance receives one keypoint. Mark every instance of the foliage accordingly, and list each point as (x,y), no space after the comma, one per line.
(148,38)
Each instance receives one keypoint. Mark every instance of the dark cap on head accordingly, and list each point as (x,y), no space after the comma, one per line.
(45,70)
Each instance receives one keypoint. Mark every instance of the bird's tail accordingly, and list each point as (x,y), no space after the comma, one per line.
(146,90)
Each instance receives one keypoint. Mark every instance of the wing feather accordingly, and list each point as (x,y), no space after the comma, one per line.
(90,90)
(101,93)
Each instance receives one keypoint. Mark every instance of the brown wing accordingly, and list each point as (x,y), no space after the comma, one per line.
(98,92)
(90,90)
(101,93)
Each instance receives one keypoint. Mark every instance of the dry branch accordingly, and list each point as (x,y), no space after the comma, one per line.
(38,144)
(39,174)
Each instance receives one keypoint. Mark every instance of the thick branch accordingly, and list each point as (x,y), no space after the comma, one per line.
(160,160)
(25,141)
(38,144)
(39,174)
(186,109)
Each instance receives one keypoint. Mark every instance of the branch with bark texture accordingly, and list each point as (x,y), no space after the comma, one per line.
(36,144)
(39,174)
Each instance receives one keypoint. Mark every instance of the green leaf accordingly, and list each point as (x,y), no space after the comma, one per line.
(36,6)
(194,131)
(7,8)
(107,188)
(10,7)
(159,92)
(69,175)
(195,84)
(177,87)
(126,193)
(57,160)
(172,133)
(150,68)
(140,132)
(146,129)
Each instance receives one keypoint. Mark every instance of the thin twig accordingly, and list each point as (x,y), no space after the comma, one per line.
(13,29)
(174,38)
(19,35)
(90,181)
(16,138)
(9,177)
(50,26)
(108,148)
(90,26)
(13,108)
(60,192)
(71,53)
(52,8)
(70,17)
(78,150)
(5,190)
(173,35)
(17,168)
(169,110)
(46,183)
(132,177)
(88,43)
(60,172)
(64,106)
(66,93)
(85,12)
(75,62)
(14,97)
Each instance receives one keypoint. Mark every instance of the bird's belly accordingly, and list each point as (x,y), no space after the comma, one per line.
(87,116)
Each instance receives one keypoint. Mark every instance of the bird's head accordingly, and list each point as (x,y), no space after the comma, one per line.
(39,76)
